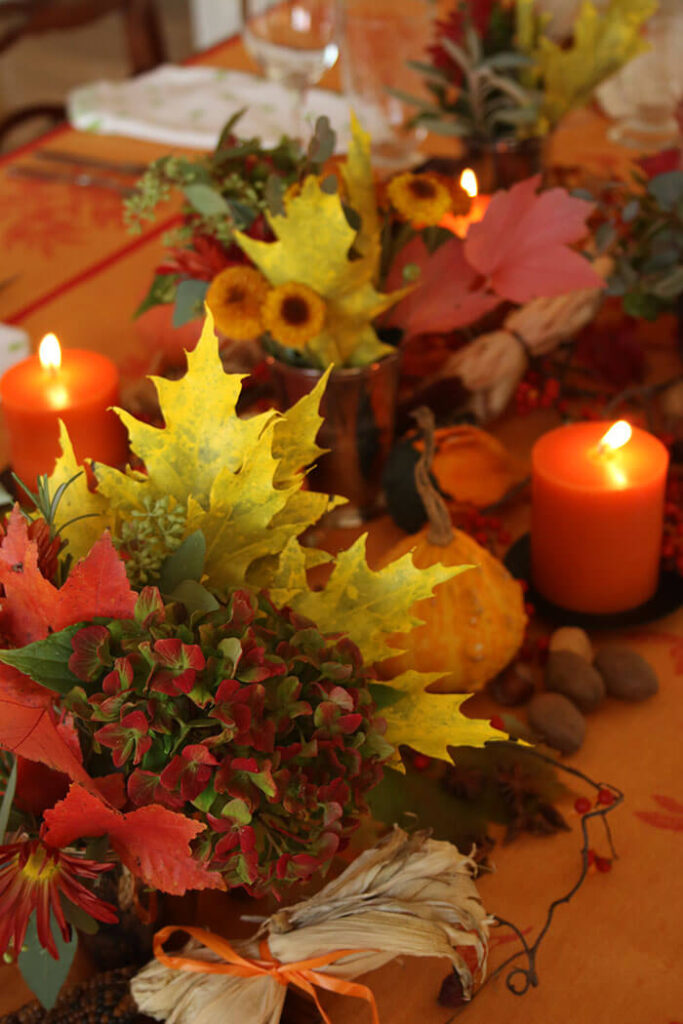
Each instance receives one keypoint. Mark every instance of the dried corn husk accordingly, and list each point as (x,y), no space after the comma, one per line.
(492,365)
(408,895)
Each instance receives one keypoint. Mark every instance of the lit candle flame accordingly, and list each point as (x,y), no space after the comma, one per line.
(468,182)
(617,436)
(50,353)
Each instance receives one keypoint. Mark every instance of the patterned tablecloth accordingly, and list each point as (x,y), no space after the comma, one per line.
(614,953)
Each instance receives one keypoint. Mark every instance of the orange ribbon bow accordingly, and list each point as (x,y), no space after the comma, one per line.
(302,973)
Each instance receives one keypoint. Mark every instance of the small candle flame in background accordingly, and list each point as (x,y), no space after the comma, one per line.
(616,437)
(50,353)
(468,182)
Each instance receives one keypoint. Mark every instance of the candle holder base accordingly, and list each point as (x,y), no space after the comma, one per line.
(667,598)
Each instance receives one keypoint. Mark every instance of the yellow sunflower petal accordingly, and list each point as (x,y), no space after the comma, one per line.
(419,198)
(235,298)
(293,314)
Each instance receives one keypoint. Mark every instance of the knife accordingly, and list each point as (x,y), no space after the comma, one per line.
(61,156)
(81,178)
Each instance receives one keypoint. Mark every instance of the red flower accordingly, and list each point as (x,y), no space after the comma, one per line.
(192,768)
(34,877)
(202,261)
(178,665)
(129,736)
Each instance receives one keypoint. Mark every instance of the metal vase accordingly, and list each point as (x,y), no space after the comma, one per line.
(359,410)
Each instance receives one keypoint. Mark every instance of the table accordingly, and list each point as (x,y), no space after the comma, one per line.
(614,952)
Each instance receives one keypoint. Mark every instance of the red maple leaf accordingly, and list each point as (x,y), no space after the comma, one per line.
(153,842)
(450,293)
(522,244)
(33,606)
(30,730)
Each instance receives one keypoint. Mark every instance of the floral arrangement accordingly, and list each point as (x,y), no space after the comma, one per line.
(337,267)
(175,696)
(494,72)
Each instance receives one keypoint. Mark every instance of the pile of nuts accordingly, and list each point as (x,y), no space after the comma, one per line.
(577,680)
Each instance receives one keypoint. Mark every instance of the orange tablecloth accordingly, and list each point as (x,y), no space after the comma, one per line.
(614,953)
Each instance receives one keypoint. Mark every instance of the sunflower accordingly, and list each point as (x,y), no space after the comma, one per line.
(235,298)
(33,879)
(293,314)
(419,198)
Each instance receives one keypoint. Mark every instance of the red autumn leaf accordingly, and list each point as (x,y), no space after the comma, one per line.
(153,842)
(30,731)
(97,586)
(450,293)
(522,244)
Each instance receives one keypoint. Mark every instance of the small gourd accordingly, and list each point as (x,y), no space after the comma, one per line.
(474,623)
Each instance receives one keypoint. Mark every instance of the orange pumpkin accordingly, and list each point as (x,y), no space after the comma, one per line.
(473,624)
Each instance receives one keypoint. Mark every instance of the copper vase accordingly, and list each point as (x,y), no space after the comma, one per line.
(359,410)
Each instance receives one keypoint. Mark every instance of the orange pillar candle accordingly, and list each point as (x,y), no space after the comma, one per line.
(77,387)
(597,516)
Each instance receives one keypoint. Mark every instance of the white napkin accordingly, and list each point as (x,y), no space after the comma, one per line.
(188,106)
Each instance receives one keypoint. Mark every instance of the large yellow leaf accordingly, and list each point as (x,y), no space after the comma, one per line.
(431,722)
(313,246)
(603,43)
(368,605)
(360,189)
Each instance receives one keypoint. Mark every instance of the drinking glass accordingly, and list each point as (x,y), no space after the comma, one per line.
(293,43)
(377,38)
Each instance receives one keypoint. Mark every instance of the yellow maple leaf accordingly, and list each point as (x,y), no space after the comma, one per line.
(432,722)
(603,42)
(84,510)
(366,604)
(359,179)
(313,246)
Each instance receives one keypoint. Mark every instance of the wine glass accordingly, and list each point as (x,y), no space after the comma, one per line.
(294,44)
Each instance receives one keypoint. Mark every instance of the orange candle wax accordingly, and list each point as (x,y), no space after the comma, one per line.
(597,516)
(79,392)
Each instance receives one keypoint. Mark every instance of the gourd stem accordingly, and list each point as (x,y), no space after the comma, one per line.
(440,530)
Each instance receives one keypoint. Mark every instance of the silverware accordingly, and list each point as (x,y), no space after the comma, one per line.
(62,156)
(81,178)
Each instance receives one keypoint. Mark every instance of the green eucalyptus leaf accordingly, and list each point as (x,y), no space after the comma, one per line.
(227,128)
(162,291)
(194,596)
(321,146)
(274,195)
(185,563)
(642,305)
(206,200)
(630,211)
(47,661)
(667,189)
(670,286)
(604,236)
(78,918)
(43,974)
(243,215)
(189,299)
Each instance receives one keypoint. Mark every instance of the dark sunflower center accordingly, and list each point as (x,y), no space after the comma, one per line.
(422,188)
(295,310)
(236,293)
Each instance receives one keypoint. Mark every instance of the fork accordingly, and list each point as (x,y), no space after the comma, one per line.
(81,178)
(63,156)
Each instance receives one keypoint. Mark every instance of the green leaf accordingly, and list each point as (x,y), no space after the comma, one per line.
(642,305)
(321,146)
(44,975)
(604,236)
(243,215)
(384,696)
(194,597)
(274,195)
(671,285)
(161,292)
(227,128)
(78,918)
(189,298)
(238,811)
(630,211)
(47,661)
(206,200)
(667,189)
(185,563)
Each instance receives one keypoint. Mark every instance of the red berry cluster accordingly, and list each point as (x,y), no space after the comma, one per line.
(486,530)
(672,540)
(582,805)
(536,392)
